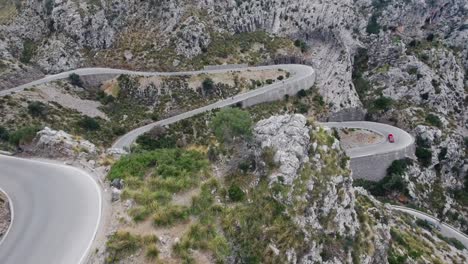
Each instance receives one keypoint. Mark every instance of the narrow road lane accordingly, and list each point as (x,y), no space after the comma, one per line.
(56,212)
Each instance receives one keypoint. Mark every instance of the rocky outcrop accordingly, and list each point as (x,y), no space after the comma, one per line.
(315,172)
(289,137)
(5,214)
(51,143)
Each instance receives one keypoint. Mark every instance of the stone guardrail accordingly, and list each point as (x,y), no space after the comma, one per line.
(225,67)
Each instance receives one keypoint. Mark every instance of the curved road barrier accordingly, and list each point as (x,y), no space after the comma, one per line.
(56,211)
(370,162)
(445,229)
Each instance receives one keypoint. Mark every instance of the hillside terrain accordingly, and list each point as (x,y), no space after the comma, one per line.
(191,195)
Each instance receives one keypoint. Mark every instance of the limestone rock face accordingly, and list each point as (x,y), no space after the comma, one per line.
(192,38)
(289,137)
(59,144)
(316,172)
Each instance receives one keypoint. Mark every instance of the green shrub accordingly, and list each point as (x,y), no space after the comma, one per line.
(208,84)
(399,167)
(75,79)
(169,215)
(120,245)
(37,109)
(424,156)
(383,103)
(152,252)
(373,26)
(89,123)
(230,123)
(29,50)
(301,93)
(268,155)
(4,134)
(434,120)
(424,224)
(146,142)
(235,193)
(280,78)
(301,44)
(456,243)
(23,135)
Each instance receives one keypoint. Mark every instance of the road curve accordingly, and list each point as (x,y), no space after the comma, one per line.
(301,69)
(56,210)
(402,138)
(298,73)
(445,229)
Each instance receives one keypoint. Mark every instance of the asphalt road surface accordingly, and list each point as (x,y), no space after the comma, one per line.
(445,229)
(55,212)
(402,138)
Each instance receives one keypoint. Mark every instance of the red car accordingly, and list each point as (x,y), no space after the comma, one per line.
(391,139)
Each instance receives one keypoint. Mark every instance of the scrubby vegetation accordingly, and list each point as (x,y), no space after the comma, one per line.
(122,244)
(231,123)
(152,178)
(393,182)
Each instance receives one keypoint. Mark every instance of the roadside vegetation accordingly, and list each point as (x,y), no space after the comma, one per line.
(390,184)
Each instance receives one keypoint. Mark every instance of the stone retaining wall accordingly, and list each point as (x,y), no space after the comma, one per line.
(225,67)
(290,89)
(95,80)
(374,168)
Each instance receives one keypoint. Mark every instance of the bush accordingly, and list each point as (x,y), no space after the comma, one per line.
(75,79)
(383,103)
(29,50)
(301,44)
(4,134)
(373,26)
(102,97)
(280,78)
(120,245)
(230,123)
(152,252)
(424,224)
(208,84)
(170,215)
(37,109)
(424,156)
(235,193)
(147,142)
(434,120)
(398,167)
(23,135)
(301,93)
(89,123)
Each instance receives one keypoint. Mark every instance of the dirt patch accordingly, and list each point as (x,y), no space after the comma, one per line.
(5,215)
(54,92)
(353,137)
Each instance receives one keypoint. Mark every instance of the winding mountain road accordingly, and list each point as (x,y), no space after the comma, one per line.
(57,208)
